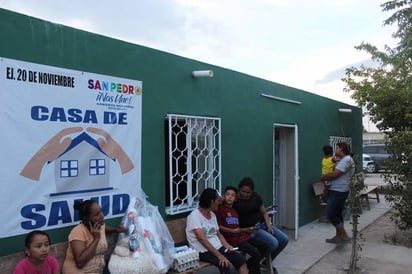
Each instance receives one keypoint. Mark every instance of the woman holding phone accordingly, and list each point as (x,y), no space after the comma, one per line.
(87,241)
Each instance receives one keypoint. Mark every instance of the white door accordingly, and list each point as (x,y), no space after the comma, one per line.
(286,176)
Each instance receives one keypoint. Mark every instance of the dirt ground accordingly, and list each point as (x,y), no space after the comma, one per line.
(385,249)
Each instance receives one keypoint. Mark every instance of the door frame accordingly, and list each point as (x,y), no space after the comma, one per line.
(296,170)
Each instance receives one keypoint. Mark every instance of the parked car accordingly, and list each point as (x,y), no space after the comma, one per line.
(378,154)
(369,165)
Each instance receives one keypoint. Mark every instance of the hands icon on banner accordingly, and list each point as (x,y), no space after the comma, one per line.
(111,148)
(49,152)
(55,147)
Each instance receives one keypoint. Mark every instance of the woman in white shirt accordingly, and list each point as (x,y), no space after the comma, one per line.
(203,235)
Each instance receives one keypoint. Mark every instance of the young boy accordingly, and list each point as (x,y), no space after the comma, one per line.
(328,165)
(228,221)
(328,161)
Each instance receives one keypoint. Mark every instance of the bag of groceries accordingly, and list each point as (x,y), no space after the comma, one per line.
(147,247)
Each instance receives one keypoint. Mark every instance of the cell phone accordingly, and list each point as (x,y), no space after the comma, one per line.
(233,249)
(92,224)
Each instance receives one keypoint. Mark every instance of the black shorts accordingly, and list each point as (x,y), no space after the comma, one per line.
(235,258)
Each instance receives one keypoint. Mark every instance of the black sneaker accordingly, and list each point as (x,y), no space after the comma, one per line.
(264,266)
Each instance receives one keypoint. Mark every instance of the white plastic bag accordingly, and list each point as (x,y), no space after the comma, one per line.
(147,239)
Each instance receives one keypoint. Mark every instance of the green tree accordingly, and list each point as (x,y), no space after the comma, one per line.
(385,91)
(399,181)
(356,184)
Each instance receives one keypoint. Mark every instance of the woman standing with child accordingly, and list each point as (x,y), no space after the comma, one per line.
(338,191)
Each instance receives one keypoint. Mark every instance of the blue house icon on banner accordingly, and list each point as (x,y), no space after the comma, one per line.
(82,167)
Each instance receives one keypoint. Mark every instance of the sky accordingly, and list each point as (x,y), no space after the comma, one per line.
(306,44)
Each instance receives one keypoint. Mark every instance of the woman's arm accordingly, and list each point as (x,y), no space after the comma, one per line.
(236,230)
(266,218)
(117,229)
(331,176)
(201,237)
(82,253)
(229,230)
(223,240)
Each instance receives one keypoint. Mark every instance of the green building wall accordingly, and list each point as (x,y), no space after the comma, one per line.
(168,87)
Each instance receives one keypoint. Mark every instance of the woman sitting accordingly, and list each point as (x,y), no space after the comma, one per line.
(203,235)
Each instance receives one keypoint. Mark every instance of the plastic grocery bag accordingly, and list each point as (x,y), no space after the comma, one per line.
(147,246)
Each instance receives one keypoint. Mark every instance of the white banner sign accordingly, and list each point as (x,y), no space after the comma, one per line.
(66,135)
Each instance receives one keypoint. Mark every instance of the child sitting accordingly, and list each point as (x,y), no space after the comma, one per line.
(228,221)
(37,258)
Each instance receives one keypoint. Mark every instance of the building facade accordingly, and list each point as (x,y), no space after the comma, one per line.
(198,132)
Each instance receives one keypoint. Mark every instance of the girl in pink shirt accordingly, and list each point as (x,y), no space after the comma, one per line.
(38,260)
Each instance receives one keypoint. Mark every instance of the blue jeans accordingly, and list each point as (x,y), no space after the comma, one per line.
(334,209)
(275,243)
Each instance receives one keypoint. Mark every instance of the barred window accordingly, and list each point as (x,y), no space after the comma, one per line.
(334,140)
(193,148)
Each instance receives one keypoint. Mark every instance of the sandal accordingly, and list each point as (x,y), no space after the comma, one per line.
(332,240)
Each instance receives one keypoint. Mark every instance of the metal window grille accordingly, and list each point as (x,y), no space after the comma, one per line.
(194,160)
(333,140)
